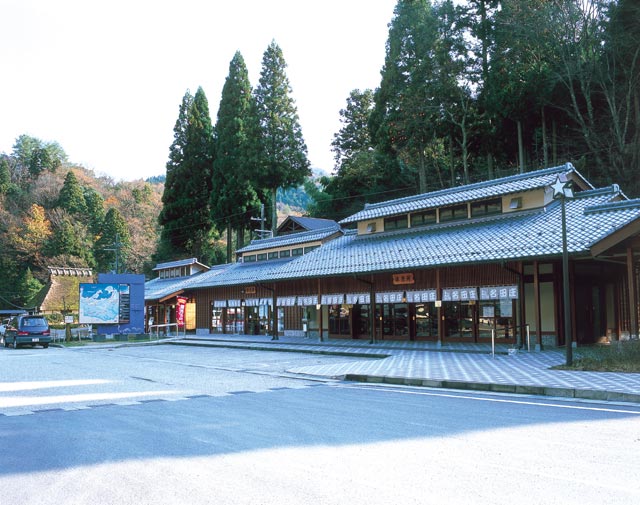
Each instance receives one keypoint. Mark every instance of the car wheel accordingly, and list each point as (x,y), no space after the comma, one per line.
(45,345)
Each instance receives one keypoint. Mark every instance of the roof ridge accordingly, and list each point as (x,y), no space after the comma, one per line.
(302,234)
(476,185)
(614,189)
(603,207)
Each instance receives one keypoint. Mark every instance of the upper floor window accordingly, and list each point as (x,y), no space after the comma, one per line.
(395,223)
(250,258)
(299,251)
(486,207)
(423,218)
(285,253)
(262,256)
(310,248)
(453,213)
(273,255)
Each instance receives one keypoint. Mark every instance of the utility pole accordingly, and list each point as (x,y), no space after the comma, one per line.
(116,248)
(262,232)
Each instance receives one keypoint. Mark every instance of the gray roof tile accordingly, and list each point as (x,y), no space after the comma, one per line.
(518,235)
(467,193)
(292,239)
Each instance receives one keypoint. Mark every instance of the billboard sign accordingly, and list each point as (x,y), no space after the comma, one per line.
(104,303)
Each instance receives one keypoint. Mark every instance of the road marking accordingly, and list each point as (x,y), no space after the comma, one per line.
(33,385)
(495,400)
(32,401)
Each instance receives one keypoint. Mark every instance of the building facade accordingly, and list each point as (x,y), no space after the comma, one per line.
(465,264)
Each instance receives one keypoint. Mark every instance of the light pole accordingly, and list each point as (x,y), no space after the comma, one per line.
(562,190)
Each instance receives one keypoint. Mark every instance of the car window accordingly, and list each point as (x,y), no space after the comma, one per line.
(34,322)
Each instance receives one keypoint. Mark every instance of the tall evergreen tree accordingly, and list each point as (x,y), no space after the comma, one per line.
(185,216)
(110,250)
(233,196)
(71,195)
(407,108)
(95,210)
(28,288)
(283,159)
(172,236)
(479,20)
(70,238)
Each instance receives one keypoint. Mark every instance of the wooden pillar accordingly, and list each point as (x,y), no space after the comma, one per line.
(631,283)
(572,297)
(439,309)
(521,341)
(536,305)
(320,321)
(274,308)
(372,311)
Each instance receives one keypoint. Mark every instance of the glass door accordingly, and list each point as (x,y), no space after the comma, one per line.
(426,321)
(460,321)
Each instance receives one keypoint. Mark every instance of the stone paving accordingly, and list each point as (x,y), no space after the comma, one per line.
(459,366)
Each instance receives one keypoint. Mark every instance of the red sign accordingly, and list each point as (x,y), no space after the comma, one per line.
(180,305)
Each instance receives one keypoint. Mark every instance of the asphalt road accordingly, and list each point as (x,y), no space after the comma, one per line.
(193,426)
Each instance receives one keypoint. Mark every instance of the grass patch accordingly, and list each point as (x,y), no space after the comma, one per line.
(614,357)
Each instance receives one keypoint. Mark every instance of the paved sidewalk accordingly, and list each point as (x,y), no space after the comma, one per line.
(455,366)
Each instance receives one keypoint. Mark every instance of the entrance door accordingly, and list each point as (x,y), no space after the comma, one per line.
(590,326)
(460,321)
(425,319)
(395,321)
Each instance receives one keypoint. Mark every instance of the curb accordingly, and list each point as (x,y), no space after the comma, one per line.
(557,392)
(251,346)
(360,343)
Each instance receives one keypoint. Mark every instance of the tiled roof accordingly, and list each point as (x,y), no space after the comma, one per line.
(591,216)
(157,289)
(312,223)
(470,192)
(178,263)
(242,273)
(292,239)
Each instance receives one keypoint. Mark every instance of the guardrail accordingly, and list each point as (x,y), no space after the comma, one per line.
(167,326)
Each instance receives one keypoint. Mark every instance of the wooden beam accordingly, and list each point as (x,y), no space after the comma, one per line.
(172,295)
(633,308)
(631,230)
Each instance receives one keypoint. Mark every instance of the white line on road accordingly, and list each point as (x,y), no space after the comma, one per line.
(496,400)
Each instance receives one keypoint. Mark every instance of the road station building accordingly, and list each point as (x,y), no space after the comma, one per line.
(463,264)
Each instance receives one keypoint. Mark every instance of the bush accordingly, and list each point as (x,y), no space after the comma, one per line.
(616,357)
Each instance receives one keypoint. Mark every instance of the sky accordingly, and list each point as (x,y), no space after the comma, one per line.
(105,79)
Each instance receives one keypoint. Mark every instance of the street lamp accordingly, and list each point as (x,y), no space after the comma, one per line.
(562,190)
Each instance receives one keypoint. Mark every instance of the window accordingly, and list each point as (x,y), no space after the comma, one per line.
(273,255)
(297,252)
(486,207)
(249,259)
(262,256)
(285,254)
(310,248)
(453,213)
(395,223)
(516,203)
(423,218)
(371,227)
